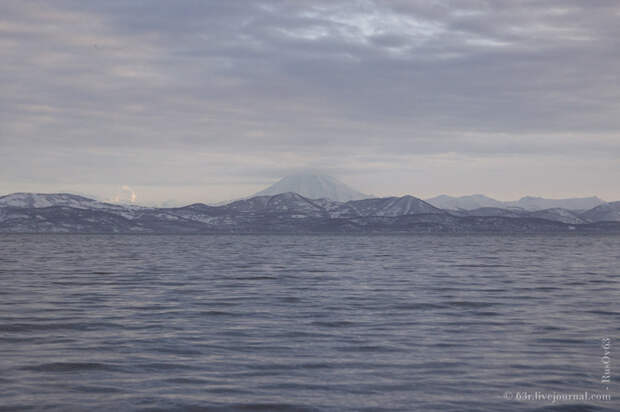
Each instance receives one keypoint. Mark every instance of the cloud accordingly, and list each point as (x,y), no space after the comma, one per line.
(190,93)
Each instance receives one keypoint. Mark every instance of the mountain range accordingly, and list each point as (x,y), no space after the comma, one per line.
(318,186)
(526,203)
(290,213)
(308,203)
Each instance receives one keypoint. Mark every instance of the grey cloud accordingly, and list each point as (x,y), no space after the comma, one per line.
(311,82)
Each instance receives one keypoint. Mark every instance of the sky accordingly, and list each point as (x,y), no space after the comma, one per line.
(161,102)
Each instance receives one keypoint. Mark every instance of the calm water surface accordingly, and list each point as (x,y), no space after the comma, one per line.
(326,323)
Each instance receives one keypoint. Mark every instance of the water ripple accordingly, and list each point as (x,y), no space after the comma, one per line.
(304,323)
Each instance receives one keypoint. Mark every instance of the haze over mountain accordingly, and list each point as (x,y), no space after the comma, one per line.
(530,203)
(463,202)
(314,186)
(540,203)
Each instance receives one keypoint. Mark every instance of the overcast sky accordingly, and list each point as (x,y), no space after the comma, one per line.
(213,100)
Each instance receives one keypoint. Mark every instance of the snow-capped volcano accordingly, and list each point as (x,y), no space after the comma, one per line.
(314,186)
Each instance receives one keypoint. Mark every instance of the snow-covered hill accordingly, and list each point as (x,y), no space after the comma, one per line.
(470,202)
(540,203)
(44,200)
(286,213)
(495,212)
(314,186)
(559,215)
(530,203)
(608,212)
(386,206)
(38,200)
(288,203)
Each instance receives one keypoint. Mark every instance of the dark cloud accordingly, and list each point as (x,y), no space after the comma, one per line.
(189,93)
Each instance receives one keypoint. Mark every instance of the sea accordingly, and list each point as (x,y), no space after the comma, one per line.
(309,322)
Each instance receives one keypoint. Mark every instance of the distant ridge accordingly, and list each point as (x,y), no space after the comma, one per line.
(37,200)
(314,186)
(540,203)
(529,203)
(608,212)
(464,202)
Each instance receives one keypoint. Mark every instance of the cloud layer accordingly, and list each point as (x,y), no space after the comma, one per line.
(209,100)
